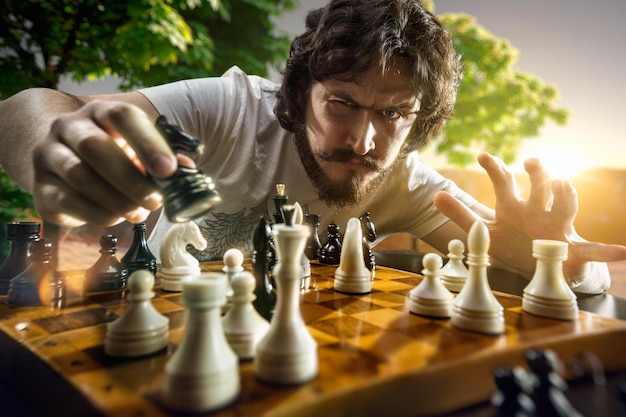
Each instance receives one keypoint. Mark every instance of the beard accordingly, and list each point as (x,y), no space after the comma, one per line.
(340,194)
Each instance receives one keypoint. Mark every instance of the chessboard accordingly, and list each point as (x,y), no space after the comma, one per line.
(375,357)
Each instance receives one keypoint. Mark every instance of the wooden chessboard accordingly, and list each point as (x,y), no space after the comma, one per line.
(375,357)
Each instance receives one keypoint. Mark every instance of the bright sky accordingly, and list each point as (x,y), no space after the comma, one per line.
(577,45)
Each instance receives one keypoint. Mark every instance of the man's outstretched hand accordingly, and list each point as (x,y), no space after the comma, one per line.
(548,213)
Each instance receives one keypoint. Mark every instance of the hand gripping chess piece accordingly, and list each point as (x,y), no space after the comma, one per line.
(476,309)
(287,354)
(203,373)
(454,273)
(107,274)
(430,297)
(188,193)
(243,325)
(548,294)
(178,264)
(141,329)
(352,276)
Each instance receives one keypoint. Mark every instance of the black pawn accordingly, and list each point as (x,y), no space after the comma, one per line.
(138,255)
(20,235)
(548,390)
(39,284)
(511,398)
(330,253)
(107,273)
(265,301)
(369,235)
(313,244)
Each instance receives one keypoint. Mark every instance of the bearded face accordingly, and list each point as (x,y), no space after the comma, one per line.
(353,132)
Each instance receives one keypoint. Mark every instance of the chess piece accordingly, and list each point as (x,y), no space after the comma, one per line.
(39,284)
(548,387)
(20,235)
(454,273)
(313,244)
(203,373)
(107,274)
(141,329)
(280,199)
(369,235)
(287,354)
(265,300)
(430,297)
(548,294)
(511,398)
(243,325)
(178,264)
(188,193)
(138,255)
(330,253)
(298,218)
(233,265)
(352,276)
(476,308)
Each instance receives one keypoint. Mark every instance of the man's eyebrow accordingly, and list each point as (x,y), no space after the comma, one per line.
(401,104)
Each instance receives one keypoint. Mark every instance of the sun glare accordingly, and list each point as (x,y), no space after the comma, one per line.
(561,162)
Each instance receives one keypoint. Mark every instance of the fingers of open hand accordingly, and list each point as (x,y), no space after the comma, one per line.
(565,199)
(502,179)
(540,197)
(597,252)
(454,210)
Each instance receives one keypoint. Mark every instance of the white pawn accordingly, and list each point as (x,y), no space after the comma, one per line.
(203,373)
(243,325)
(287,354)
(476,309)
(141,329)
(548,294)
(233,265)
(352,276)
(454,273)
(430,297)
(178,265)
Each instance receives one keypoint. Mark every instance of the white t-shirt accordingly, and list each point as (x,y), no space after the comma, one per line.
(247,153)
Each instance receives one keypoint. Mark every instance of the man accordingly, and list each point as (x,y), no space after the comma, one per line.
(365,87)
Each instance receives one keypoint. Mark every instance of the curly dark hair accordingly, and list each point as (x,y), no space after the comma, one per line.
(348,37)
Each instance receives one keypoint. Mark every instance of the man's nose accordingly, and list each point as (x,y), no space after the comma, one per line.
(362,136)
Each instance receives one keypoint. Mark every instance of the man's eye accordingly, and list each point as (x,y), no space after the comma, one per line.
(342,102)
(391,114)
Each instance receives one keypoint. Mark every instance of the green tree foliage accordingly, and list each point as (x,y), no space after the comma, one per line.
(498,106)
(143,42)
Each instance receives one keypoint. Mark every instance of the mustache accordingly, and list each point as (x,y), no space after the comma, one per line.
(346,155)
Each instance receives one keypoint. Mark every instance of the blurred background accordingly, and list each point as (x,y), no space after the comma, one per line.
(543,78)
